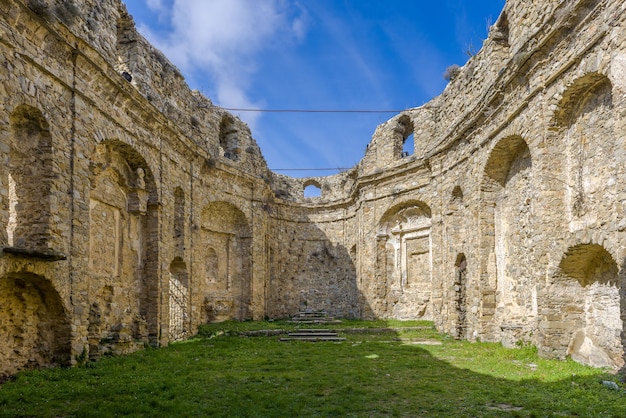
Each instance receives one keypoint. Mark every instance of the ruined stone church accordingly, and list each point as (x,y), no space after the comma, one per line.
(132,209)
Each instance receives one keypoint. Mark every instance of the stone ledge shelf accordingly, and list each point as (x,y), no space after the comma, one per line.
(45,255)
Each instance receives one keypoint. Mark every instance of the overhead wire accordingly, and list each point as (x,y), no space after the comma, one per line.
(311,169)
(234,109)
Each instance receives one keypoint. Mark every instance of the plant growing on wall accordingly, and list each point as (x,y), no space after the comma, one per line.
(451,72)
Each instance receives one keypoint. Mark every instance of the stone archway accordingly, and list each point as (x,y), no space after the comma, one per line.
(505,218)
(34,326)
(585,120)
(123,250)
(178,300)
(225,258)
(581,311)
(30,176)
(405,260)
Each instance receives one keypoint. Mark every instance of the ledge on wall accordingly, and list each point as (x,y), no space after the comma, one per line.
(45,255)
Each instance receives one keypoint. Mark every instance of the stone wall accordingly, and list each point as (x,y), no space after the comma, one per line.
(133,210)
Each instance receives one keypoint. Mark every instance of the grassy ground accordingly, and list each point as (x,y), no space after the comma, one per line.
(411,372)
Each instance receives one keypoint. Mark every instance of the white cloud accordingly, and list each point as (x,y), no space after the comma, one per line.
(223,39)
(299,24)
(155,5)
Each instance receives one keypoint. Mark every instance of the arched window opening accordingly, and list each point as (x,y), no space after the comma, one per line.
(125,46)
(408,148)
(312,190)
(229,139)
(405,142)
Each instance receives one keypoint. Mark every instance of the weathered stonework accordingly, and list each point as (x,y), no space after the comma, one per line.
(132,210)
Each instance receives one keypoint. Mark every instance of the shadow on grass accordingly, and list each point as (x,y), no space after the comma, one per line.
(369,374)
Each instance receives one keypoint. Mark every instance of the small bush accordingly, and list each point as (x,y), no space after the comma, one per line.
(451,72)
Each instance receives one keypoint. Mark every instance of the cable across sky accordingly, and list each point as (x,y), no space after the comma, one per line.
(233,109)
(310,169)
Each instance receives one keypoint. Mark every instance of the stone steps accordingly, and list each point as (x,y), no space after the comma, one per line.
(313,335)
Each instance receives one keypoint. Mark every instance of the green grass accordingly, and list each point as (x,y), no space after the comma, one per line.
(380,373)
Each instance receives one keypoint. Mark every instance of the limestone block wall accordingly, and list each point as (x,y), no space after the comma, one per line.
(113,192)
(517,166)
(132,209)
(311,264)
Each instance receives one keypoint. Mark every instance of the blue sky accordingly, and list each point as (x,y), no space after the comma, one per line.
(315,54)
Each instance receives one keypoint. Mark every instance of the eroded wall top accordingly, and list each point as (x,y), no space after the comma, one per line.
(471,95)
(106,26)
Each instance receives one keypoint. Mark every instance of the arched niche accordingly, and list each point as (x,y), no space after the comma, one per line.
(413,209)
(581,96)
(226,254)
(509,158)
(456,198)
(29,179)
(584,121)
(404,259)
(123,247)
(582,310)
(508,291)
(457,193)
(34,326)
(178,300)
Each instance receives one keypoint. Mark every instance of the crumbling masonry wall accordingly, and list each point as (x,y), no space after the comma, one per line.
(132,209)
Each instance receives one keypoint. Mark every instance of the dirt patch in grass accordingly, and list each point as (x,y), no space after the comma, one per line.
(504,407)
